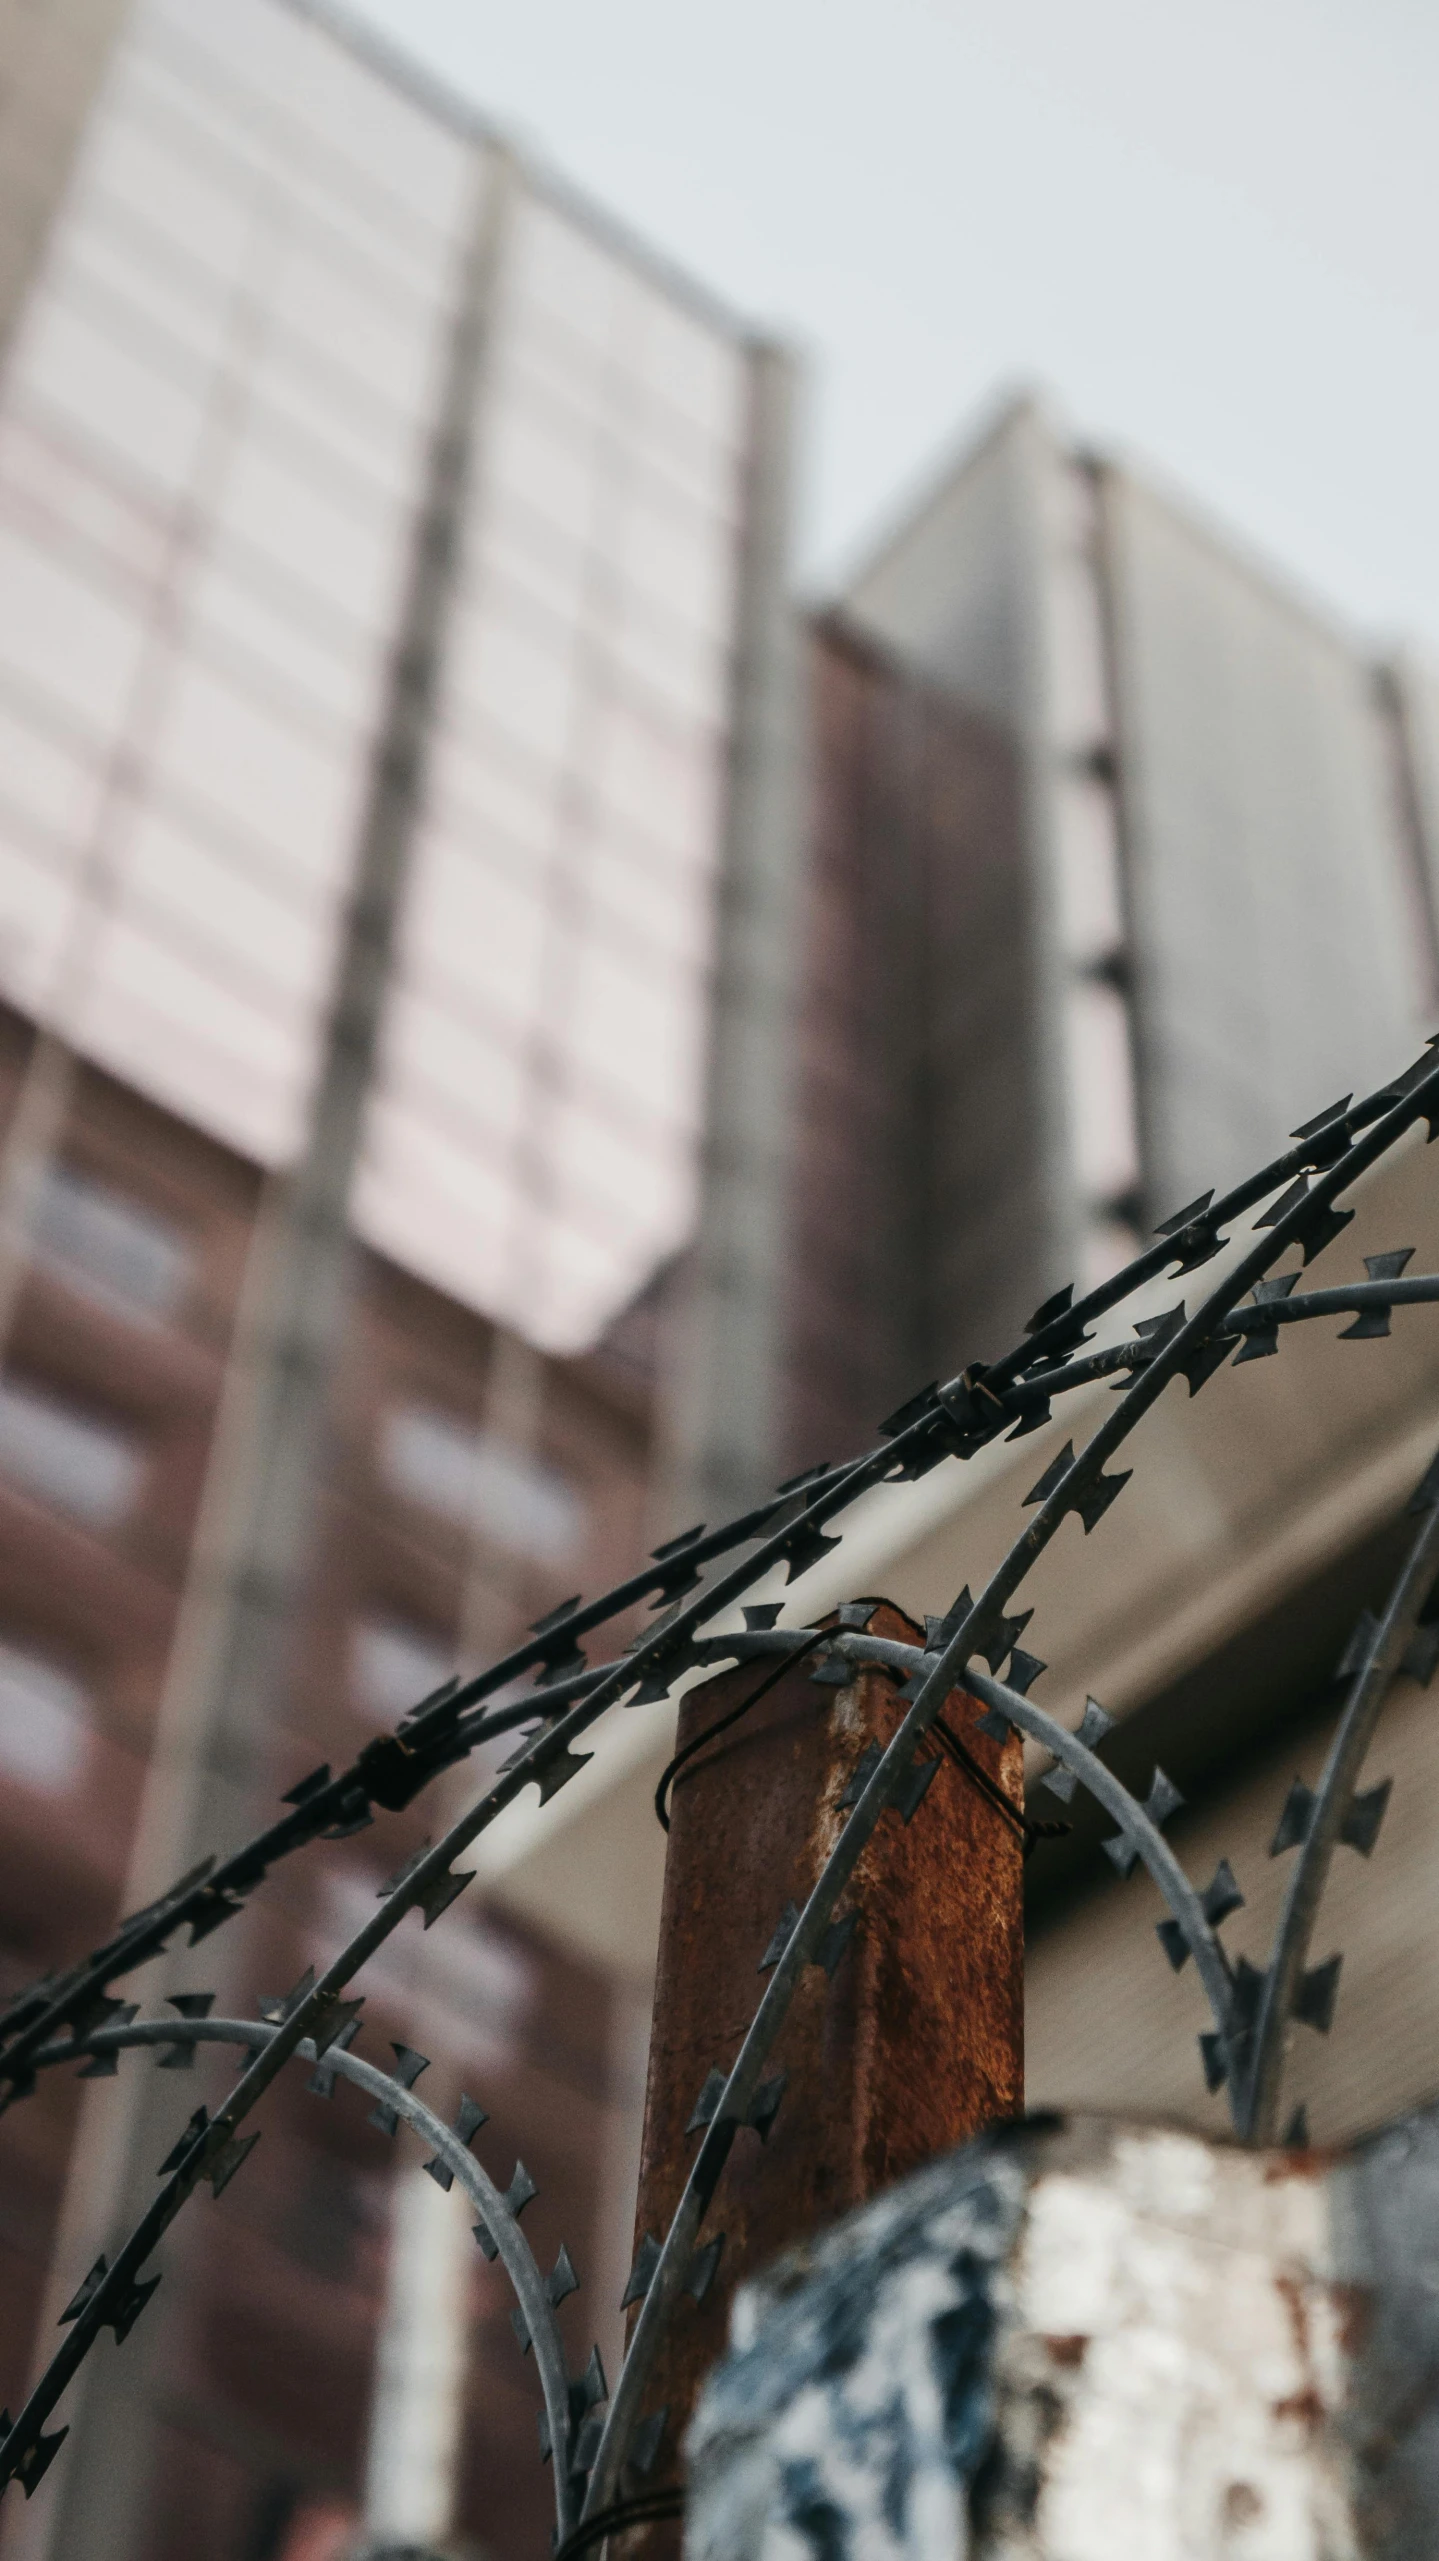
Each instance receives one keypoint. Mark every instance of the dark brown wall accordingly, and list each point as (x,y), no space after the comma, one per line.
(263,2396)
(913,1243)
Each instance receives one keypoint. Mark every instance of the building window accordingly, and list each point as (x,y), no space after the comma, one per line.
(470,1476)
(110,1247)
(394,1664)
(44,1721)
(78,1462)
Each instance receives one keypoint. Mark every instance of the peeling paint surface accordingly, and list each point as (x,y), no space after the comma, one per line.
(1085,2341)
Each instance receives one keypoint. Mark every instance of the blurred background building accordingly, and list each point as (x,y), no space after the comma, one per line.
(515,1035)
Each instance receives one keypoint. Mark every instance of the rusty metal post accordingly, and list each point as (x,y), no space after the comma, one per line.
(913,2044)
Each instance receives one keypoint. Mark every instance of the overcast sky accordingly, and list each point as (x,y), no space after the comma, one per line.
(1209,227)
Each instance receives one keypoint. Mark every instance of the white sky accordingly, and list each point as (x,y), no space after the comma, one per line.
(1210,227)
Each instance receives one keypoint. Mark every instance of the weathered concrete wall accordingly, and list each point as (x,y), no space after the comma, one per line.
(1075,2341)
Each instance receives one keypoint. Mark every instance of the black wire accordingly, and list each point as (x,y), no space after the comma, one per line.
(649,2507)
(1020,1822)
(697,1743)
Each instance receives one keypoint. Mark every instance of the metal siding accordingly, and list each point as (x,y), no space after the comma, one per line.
(1275,957)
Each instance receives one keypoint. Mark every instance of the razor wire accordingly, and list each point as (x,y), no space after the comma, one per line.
(956,1418)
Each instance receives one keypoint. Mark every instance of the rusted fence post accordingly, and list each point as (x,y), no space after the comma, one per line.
(913,2042)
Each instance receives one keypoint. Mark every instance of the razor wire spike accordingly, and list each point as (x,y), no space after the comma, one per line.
(215,1907)
(1358,1653)
(1182,1218)
(804,1547)
(546,2443)
(1287,1200)
(85,2291)
(834,1942)
(1360,1827)
(1249,1982)
(1421,1654)
(1382,1267)
(1006,1635)
(1121,1853)
(1163,1801)
(408,2067)
(1033,1419)
(1295,1818)
(1221,1895)
(104,2067)
(784,1930)
(637,2284)
(1323,1120)
(1215,2061)
(1093,1501)
(401,1876)
(553,1618)
(587,2441)
(231,2157)
(32,2467)
(1093,1725)
(995,1724)
(443,1890)
(646,2441)
(1058,1305)
(562,2280)
(1295,2137)
(321,2083)
(592,2387)
(863,1771)
(1024,1671)
(557,1773)
(1053,1477)
(467,2125)
(911,1793)
(1320,1230)
(521,2191)
(1198,1367)
(761,1616)
(521,2328)
(703,2111)
(764,2107)
(1426,1492)
(832,1672)
(1059,1780)
(1174,1943)
(699,2275)
(127,2311)
(197,2126)
(305,1788)
(191,2005)
(1315,1998)
(331,2021)
(1155,1331)
(486,2239)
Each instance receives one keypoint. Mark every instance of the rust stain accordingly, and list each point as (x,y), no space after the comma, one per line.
(1068,2351)
(915,2044)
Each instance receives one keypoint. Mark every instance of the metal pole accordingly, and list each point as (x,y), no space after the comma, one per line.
(907,2044)
(250,1553)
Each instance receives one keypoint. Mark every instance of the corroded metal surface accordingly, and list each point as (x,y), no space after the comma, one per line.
(913,2043)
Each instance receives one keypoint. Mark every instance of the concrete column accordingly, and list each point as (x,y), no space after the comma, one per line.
(722,1424)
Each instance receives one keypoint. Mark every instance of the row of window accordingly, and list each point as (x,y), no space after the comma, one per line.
(130,1259)
(47,1713)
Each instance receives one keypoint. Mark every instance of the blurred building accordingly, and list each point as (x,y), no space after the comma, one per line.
(404,869)
(391,614)
(1136,851)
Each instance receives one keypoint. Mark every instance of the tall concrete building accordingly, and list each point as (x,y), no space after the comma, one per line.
(392,624)
(1140,850)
